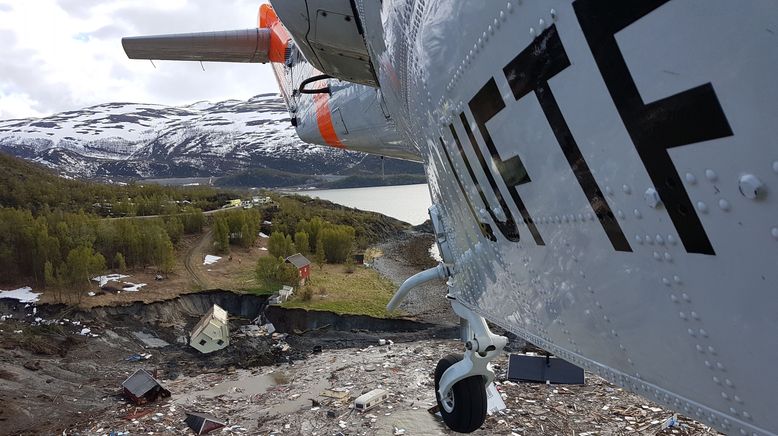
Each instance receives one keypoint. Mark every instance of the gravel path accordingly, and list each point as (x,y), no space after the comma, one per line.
(404,257)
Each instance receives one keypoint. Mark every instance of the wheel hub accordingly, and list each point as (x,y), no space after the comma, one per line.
(448,401)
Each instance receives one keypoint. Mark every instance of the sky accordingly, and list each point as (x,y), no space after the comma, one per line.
(59,55)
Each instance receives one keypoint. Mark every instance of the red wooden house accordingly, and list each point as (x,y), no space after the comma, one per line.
(303,266)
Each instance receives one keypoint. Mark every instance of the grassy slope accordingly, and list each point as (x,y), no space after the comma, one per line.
(363,292)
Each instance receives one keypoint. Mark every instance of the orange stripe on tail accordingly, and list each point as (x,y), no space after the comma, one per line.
(279,37)
(324,120)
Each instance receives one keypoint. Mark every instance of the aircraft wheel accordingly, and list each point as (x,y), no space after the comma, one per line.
(464,409)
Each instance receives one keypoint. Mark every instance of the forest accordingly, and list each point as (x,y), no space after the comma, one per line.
(319,240)
(51,235)
(322,231)
(369,227)
(28,186)
(59,234)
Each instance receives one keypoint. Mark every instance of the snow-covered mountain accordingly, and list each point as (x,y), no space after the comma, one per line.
(130,141)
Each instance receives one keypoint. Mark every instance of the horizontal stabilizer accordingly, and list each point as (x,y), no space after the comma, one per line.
(247,45)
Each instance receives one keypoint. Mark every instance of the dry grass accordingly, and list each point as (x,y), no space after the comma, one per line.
(363,292)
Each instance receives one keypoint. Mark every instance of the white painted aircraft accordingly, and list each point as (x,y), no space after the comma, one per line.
(604,175)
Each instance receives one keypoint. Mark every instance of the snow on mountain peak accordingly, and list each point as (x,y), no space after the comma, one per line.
(137,140)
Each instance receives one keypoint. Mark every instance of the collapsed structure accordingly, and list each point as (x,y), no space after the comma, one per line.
(212,333)
(202,423)
(141,388)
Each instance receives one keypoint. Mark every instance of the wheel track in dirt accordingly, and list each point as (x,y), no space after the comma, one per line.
(196,252)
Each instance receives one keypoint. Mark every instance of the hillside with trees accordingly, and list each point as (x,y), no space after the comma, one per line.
(369,227)
(51,235)
(58,234)
(326,233)
(32,187)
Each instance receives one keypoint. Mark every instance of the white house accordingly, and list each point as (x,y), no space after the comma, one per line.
(212,332)
(286,293)
(282,296)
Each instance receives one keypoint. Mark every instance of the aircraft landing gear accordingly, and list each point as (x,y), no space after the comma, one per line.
(460,381)
(464,407)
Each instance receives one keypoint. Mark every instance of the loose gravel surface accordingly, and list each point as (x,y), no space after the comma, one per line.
(406,256)
(315,397)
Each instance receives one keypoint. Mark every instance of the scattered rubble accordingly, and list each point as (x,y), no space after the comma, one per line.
(316,395)
(271,382)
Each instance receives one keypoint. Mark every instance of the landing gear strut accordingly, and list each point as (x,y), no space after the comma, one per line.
(460,380)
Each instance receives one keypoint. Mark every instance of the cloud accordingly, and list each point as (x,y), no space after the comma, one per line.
(59,55)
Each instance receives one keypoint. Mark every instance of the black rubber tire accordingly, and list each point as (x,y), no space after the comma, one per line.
(469,411)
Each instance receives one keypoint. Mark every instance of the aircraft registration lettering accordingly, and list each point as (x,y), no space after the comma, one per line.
(530,71)
(507,227)
(486,229)
(484,105)
(685,118)
(688,117)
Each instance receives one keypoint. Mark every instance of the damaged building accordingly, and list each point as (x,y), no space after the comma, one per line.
(141,388)
(212,333)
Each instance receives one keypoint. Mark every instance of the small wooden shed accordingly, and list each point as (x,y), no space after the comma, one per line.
(202,423)
(303,266)
(141,388)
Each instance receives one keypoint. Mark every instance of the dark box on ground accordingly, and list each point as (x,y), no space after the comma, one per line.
(542,369)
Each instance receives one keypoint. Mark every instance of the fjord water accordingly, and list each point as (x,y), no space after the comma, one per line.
(407,203)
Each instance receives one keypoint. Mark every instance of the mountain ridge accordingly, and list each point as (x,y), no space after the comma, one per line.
(130,141)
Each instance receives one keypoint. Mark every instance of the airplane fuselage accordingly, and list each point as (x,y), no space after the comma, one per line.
(605,173)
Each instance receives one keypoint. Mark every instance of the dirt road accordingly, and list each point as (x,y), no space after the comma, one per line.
(146,217)
(193,259)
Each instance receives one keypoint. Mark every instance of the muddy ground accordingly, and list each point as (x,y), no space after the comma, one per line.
(57,377)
